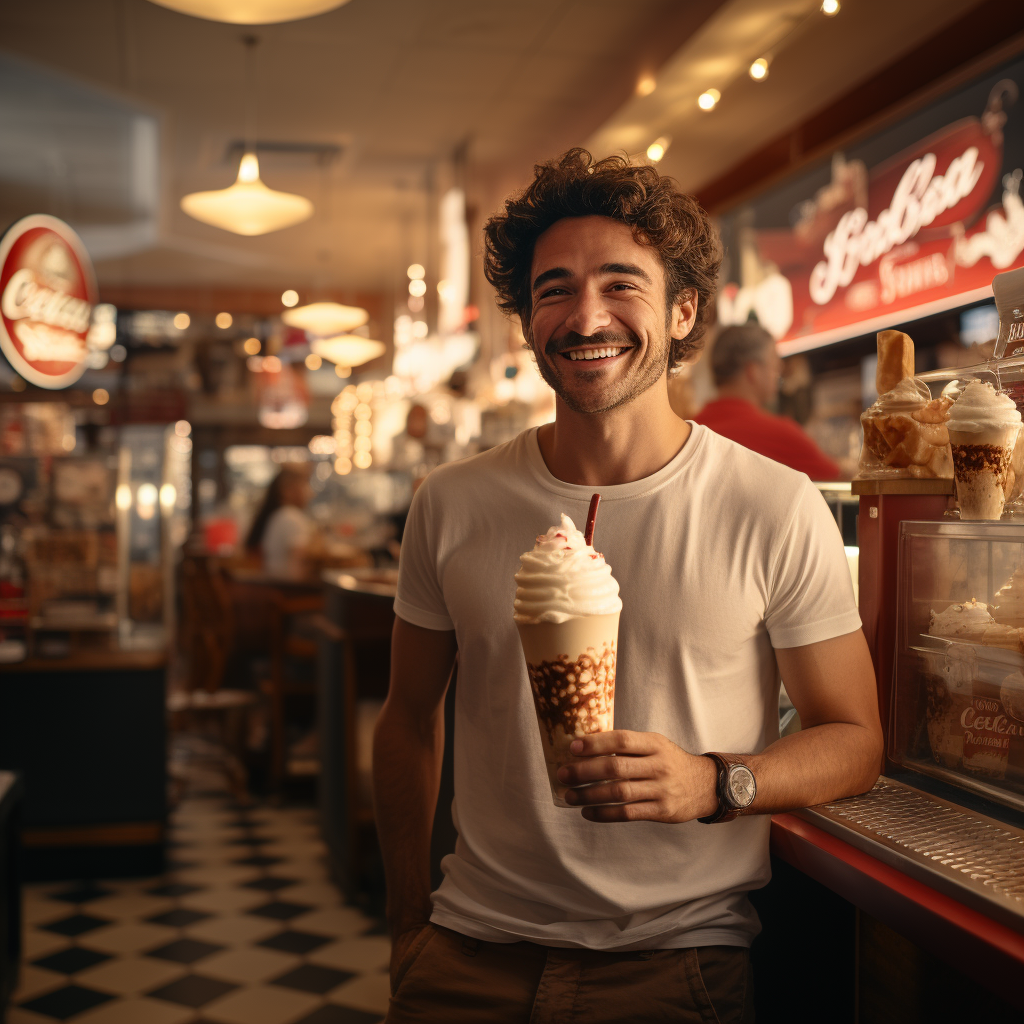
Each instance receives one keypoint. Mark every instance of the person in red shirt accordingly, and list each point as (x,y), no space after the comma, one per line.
(746,369)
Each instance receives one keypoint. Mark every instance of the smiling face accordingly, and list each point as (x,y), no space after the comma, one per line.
(600,325)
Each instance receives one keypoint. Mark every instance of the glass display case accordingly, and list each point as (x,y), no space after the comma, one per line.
(958,691)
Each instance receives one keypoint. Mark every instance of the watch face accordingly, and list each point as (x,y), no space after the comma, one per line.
(740,786)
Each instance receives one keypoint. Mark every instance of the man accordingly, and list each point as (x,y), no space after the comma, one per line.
(746,368)
(730,568)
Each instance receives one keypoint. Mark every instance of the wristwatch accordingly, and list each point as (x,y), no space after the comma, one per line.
(736,788)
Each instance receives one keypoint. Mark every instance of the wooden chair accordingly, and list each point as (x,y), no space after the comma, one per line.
(207,641)
(289,604)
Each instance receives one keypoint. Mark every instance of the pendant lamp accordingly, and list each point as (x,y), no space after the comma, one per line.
(248,207)
(252,12)
(326,319)
(348,349)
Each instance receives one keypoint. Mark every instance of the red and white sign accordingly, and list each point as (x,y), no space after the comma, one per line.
(912,236)
(47,293)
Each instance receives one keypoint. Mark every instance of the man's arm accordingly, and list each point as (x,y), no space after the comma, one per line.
(408,742)
(837,753)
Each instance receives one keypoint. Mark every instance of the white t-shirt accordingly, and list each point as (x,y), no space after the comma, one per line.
(288,530)
(720,556)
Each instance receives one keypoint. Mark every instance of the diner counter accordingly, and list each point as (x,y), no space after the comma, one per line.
(932,891)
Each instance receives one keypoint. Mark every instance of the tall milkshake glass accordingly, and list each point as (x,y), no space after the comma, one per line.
(983,427)
(567,613)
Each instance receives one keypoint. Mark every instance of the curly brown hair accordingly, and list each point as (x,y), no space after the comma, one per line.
(575,185)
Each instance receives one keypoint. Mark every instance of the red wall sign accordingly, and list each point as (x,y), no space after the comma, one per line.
(916,233)
(47,292)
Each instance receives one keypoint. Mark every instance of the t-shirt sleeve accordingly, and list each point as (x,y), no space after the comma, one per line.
(420,599)
(810,590)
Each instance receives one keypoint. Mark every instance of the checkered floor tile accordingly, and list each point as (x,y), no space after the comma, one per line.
(245,928)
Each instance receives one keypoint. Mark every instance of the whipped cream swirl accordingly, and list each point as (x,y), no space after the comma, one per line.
(960,619)
(910,393)
(981,408)
(562,577)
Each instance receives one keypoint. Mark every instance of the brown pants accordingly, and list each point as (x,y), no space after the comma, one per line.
(447,978)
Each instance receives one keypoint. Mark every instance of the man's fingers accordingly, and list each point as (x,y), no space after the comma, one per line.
(625,791)
(597,769)
(617,741)
(648,810)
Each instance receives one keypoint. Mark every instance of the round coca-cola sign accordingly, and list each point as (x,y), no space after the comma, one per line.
(47,292)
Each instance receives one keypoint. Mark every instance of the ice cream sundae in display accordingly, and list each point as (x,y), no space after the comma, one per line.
(905,430)
(983,428)
(567,609)
(971,622)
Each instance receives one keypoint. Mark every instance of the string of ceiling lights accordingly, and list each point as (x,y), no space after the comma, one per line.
(709,99)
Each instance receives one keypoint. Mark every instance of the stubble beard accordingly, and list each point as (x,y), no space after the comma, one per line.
(616,393)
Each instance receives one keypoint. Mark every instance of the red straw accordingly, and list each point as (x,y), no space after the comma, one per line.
(588,534)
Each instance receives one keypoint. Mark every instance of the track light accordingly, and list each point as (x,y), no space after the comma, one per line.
(708,99)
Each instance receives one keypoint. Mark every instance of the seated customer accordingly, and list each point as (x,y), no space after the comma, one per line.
(282,532)
(746,368)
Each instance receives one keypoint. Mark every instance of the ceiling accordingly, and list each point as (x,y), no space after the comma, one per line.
(813,61)
(409,97)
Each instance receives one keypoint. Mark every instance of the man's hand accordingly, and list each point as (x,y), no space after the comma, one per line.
(649,778)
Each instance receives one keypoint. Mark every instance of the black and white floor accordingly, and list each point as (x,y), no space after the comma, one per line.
(245,928)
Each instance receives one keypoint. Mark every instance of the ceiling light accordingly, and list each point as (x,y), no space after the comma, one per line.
(326,318)
(708,99)
(100,396)
(658,148)
(251,346)
(830,8)
(759,69)
(290,297)
(251,12)
(646,85)
(146,494)
(181,321)
(168,496)
(248,207)
(223,320)
(417,287)
(348,349)
(416,272)
(420,329)
(313,361)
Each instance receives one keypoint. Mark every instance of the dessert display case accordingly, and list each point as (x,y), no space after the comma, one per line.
(958,687)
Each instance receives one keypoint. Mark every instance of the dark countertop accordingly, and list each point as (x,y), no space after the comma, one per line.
(92,661)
